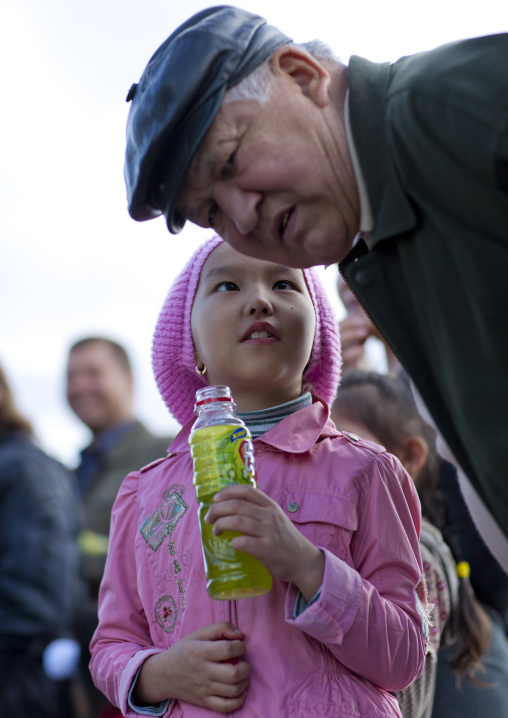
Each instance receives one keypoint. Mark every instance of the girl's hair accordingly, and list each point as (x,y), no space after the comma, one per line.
(11,418)
(173,358)
(385,405)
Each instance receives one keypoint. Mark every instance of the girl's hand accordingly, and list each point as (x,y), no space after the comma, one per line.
(203,668)
(269,535)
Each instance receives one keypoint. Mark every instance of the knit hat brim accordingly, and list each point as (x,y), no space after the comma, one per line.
(173,357)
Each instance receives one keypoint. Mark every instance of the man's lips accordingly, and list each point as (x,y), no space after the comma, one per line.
(260,330)
(84,405)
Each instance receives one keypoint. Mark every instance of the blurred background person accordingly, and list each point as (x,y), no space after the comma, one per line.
(40,584)
(466,672)
(362,345)
(100,391)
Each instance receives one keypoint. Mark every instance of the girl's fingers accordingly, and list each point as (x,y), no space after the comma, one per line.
(229,690)
(216,632)
(218,704)
(241,501)
(243,492)
(241,524)
(229,674)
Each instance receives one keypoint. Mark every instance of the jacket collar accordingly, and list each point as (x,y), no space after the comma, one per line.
(369,86)
(295,434)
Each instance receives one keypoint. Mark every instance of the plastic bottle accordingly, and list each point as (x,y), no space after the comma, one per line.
(222,455)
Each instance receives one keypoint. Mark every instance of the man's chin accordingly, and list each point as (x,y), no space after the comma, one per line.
(309,253)
(328,250)
(92,420)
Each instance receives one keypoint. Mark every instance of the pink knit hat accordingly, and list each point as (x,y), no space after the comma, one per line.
(173,358)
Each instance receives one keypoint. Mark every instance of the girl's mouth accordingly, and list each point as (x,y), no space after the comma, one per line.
(260,335)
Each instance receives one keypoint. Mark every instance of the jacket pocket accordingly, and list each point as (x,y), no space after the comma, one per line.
(342,694)
(327,519)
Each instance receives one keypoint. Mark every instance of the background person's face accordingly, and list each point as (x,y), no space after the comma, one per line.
(275,180)
(99,390)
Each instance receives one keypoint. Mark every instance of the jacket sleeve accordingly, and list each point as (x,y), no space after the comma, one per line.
(40,587)
(122,640)
(373,615)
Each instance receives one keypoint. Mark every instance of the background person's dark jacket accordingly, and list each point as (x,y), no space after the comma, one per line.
(40,585)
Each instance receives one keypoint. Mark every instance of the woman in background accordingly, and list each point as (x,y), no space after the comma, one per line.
(39,572)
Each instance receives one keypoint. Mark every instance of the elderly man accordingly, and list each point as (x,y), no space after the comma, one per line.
(399,171)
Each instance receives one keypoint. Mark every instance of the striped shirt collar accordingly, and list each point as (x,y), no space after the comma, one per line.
(259,422)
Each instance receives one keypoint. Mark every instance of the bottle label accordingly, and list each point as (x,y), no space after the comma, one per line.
(238,434)
(222,455)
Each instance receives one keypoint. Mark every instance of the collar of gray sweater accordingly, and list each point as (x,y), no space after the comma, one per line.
(259,422)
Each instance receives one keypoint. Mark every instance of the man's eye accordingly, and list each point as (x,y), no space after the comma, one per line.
(212,213)
(227,287)
(229,165)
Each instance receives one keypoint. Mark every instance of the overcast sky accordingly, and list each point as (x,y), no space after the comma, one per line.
(72,262)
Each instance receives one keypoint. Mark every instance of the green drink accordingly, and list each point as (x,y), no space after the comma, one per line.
(223,455)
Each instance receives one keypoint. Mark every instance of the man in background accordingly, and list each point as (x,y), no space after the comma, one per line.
(100,391)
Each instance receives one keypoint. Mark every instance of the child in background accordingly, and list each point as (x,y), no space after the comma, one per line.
(468,654)
(335,521)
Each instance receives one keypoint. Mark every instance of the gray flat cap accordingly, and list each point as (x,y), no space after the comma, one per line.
(177,98)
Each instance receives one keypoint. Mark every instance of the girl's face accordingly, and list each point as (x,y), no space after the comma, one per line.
(253,326)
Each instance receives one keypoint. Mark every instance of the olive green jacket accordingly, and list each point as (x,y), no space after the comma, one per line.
(134,450)
(431,132)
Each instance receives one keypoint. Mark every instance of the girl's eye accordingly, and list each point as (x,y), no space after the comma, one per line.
(212,213)
(283,284)
(227,287)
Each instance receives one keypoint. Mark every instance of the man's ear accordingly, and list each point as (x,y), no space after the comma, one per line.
(310,75)
(414,455)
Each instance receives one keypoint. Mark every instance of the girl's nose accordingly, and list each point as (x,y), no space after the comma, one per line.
(259,304)
(262,310)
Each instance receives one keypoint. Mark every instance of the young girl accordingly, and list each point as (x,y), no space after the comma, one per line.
(335,521)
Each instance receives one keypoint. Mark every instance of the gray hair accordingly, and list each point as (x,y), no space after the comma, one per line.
(257,86)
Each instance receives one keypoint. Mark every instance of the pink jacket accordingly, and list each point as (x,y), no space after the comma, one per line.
(362,638)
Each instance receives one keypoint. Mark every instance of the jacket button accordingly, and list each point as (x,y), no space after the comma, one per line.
(354,437)
(363,277)
(293,507)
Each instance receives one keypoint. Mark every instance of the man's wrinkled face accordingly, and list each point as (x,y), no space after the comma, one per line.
(275,180)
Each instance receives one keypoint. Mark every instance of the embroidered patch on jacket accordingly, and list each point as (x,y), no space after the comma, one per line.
(162,522)
(423,607)
(166,613)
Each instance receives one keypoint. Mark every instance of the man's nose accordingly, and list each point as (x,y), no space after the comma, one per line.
(239,206)
(76,383)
